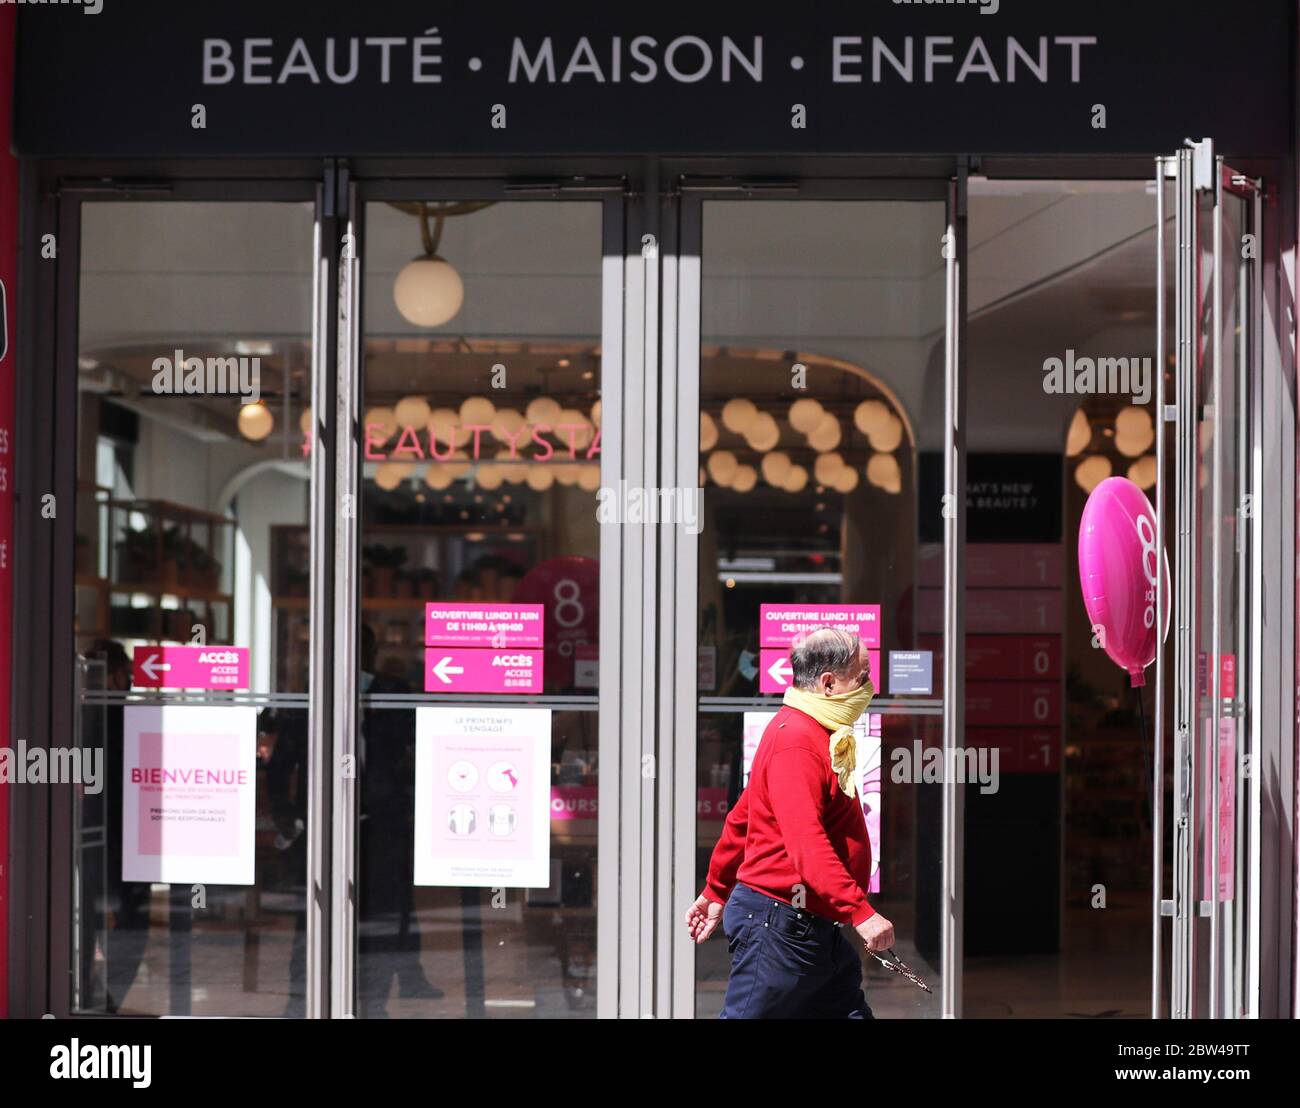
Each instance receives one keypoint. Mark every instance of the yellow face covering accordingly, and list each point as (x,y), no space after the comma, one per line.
(840,713)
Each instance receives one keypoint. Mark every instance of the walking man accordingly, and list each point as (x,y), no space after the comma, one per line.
(794,859)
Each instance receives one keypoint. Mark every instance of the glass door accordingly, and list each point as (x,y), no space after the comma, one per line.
(478,597)
(818,422)
(1213,250)
(195,362)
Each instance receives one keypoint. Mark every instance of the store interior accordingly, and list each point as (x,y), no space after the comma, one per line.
(482,411)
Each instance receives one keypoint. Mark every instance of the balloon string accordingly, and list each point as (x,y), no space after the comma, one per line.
(1147,781)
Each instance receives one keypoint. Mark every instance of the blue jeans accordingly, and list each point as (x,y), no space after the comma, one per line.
(787,964)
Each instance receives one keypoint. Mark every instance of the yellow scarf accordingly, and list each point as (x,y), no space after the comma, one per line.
(840,713)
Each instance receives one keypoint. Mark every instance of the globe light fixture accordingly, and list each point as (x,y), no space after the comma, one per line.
(776,468)
(708,432)
(412,411)
(746,477)
(805,414)
(1134,431)
(738,414)
(255,421)
(1143,472)
(1080,434)
(1092,471)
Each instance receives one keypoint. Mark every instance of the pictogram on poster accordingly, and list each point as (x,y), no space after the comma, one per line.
(483,797)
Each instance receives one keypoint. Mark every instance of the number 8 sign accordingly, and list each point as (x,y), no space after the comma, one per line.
(1117,572)
(569,588)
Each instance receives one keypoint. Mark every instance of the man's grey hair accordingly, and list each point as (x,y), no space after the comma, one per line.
(826,649)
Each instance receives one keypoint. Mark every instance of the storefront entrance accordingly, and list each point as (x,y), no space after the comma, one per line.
(461,523)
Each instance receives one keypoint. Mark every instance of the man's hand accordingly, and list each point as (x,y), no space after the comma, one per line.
(702,918)
(877,932)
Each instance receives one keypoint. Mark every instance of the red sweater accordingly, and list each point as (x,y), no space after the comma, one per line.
(793,825)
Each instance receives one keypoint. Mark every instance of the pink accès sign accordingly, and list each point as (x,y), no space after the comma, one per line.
(781,624)
(190,667)
(483,648)
(451,669)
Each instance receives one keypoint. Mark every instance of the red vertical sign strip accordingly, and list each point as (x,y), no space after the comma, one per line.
(8,357)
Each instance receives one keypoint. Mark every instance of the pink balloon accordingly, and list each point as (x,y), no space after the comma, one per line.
(1117,572)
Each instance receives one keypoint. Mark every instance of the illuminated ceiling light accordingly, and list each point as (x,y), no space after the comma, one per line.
(438,477)
(514,473)
(1076,442)
(428,291)
(595,414)
(477,410)
(412,411)
(1092,471)
(704,477)
(575,424)
(540,478)
(745,479)
(488,477)
(805,414)
(796,480)
(1134,431)
(446,427)
(738,414)
(883,472)
(708,432)
(566,473)
(384,419)
(388,476)
(506,424)
(762,433)
(1143,472)
(543,410)
(888,435)
(458,466)
(827,467)
(870,415)
(846,480)
(826,435)
(589,478)
(776,468)
(255,421)
(722,466)
(305,423)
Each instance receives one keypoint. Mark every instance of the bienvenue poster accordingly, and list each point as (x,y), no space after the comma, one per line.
(189,784)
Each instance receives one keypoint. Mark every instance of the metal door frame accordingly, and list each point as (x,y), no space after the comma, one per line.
(1196,173)
(628,295)
(678,694)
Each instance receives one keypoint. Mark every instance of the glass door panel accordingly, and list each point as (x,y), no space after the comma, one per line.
(192,581)
(477,590)
(822,460)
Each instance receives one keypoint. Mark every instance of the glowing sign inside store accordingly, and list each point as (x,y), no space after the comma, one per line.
(438,444)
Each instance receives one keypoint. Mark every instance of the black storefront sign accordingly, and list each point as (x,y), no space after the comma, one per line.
(1009,497)
(406,77)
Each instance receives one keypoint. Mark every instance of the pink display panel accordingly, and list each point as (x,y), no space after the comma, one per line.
(190,667)
(490,625)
